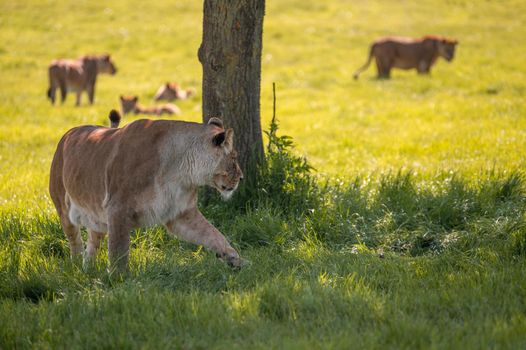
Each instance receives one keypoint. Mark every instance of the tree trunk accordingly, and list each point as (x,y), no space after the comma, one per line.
(231,58)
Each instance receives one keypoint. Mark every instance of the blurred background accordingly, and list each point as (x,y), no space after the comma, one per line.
(467,116)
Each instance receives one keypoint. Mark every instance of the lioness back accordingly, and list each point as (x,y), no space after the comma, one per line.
(128,154)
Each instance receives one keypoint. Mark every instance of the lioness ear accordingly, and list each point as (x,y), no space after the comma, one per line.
(219,139)
(215,121)
(121,97)
(229,140)
(135,98)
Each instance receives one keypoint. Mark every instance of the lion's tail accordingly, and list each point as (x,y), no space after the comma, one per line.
(115,118)
(366,65)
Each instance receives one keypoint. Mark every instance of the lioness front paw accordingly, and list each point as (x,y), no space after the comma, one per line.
(233,259)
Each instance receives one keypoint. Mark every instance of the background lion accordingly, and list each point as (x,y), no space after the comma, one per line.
(78,76)
(408,53)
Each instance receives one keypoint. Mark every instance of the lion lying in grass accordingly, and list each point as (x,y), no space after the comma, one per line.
(130,104)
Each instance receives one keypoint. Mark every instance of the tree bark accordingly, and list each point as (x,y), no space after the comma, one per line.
(230,54)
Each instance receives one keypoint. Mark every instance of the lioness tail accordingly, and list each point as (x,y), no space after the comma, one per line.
(115,118)
(364,67)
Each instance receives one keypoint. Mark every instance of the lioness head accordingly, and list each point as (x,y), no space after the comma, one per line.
(128,103)
(227,174)
(446,48)
(172,91)
(167,91)
(106,65)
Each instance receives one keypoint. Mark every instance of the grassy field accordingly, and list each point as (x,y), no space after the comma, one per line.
(410,233)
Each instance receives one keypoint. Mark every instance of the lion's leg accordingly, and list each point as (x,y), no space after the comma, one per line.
(73,234)
(91,93)
(51,94)
(387,73)
(63,91)
(192,227)
(383,68)
(423,67)
(92,246)
(119,242)
(78,98)
(378,68)
(52,85)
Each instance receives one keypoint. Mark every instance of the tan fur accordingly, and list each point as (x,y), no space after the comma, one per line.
(408,53)
(172,91)
(77,76)
(130,104)
(146,173)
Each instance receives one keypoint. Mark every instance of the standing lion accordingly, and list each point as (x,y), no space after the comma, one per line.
(77,76)
(408,53)
(114,180)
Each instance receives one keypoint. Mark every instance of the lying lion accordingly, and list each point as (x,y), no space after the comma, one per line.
(131,104)
(408,53)
(77,76)
(146,173)
(172,91)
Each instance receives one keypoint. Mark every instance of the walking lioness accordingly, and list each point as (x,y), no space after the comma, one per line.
(408,53)
(77,76)
(144,174)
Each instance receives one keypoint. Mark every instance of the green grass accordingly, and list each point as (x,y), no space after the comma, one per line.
(416,238)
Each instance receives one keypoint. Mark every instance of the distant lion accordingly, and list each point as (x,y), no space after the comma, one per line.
(172,91)
(408,53)
(77,76)
(147,173)
(130,104)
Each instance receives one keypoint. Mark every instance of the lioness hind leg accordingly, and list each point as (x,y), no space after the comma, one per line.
(384,68)
(63,91)
(73,234)
(51,94)
(194,228)
(91,93)
(92,246)
(119,243)
(423,67)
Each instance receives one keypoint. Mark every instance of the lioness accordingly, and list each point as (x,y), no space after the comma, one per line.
(131,104)
(146,173)
(408,53)
(77,76)
(172,91)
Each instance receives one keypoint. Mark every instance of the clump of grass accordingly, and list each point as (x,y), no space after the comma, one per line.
(394,211)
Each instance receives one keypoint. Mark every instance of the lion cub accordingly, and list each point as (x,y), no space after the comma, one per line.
(172,91)
(130,104)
